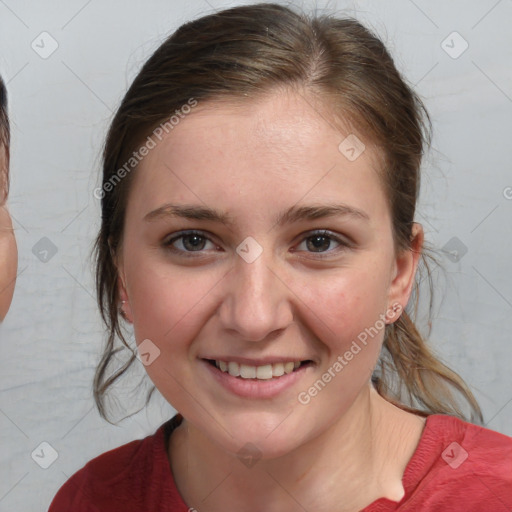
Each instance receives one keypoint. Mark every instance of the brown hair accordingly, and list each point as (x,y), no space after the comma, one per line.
(5,136)
(243,52)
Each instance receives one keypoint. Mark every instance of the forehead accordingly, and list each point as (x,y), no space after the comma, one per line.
(284,122)
(279,145)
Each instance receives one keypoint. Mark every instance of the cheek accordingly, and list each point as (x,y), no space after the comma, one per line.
(348,320)
(170,307)
(168,310)
(345,304)
(164,301)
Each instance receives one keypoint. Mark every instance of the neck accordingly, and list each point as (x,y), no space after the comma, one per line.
(366,449)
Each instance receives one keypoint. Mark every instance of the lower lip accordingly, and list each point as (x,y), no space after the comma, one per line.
(256,388)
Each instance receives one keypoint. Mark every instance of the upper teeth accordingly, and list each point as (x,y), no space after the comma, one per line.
(264,372)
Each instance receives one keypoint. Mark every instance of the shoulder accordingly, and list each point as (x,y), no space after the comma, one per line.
(461,464)
(483,448)
(122,478)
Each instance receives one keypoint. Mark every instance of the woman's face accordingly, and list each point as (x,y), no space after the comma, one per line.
(279,281)
(8,252)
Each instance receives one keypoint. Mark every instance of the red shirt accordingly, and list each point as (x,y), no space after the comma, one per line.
(457,466)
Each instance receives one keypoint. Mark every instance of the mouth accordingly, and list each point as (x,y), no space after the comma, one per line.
(267,371)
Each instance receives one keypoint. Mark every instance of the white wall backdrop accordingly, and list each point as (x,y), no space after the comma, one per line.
(60,105)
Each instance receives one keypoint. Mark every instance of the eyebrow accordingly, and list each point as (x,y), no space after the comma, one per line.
(293,214)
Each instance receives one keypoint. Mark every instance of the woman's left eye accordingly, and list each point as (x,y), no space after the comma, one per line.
(320,241)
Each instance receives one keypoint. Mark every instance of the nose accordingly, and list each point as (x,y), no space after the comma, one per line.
(257,302)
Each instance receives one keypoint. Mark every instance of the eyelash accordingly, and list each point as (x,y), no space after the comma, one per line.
(168,244)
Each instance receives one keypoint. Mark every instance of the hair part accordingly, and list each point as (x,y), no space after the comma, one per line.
(240,54)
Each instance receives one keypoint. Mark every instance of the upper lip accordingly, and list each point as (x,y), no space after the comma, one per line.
(257,362)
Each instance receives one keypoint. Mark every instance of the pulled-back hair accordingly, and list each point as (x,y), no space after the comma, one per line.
(244,52)
(4,143)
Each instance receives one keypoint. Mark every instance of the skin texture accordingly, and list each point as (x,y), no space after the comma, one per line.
(253,162)
(8,255)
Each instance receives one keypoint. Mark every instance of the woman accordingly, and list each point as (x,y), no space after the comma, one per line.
(259,188)
(8,249)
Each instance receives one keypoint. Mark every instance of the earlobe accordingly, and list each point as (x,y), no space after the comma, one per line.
(405,265)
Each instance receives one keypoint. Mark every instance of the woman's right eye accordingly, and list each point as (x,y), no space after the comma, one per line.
(187,242)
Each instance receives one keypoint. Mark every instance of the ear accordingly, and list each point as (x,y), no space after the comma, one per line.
(122,289)
(404,271)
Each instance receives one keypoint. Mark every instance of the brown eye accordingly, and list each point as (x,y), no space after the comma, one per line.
(193,242)
(188,242)
(321,242)
(318,243)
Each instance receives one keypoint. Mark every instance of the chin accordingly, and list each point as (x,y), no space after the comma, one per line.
(262,435)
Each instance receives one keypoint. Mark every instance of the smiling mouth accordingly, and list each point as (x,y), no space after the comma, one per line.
(264,372)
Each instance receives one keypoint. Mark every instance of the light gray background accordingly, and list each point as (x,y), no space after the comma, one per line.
(60,109)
